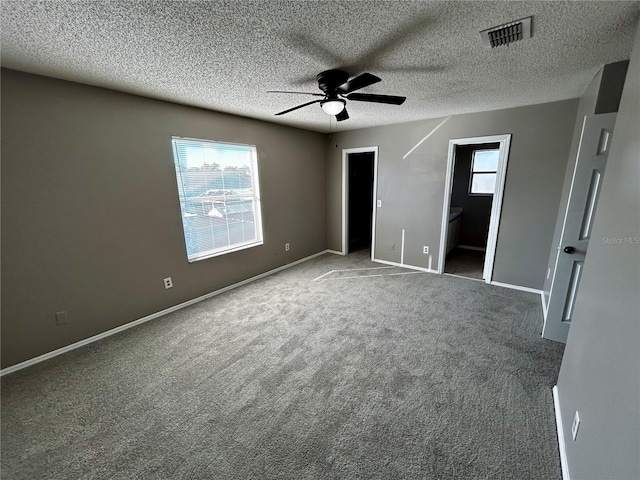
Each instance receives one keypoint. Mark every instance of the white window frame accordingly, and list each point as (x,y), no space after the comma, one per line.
(472,173)
(255,185)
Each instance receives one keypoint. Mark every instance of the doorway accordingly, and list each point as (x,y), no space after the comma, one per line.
(476,172)
(359,176)
(474,175)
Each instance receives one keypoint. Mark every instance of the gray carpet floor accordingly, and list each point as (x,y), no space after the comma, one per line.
(320,371)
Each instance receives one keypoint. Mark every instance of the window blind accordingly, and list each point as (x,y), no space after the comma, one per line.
(219,196)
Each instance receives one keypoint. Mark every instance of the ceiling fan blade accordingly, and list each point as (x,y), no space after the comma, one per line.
(369,97)
(343,115)
(297,93)
(358,82)
(299,106)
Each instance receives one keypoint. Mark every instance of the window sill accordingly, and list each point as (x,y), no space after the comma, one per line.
(218,253)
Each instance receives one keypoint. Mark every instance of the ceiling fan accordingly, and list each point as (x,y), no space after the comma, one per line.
(336,87)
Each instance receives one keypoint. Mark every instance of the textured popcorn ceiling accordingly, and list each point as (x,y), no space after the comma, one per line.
(225,55)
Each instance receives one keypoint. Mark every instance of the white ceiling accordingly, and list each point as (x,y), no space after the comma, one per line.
(225,55)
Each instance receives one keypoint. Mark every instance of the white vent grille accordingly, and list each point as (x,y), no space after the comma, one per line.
(507,34)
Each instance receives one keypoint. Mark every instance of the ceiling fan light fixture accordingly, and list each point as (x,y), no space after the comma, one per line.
(333,106)
(335,84)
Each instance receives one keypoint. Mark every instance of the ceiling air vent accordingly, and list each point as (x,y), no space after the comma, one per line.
(507,33)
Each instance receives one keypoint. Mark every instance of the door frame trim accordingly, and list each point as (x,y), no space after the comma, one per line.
(504,140)
(345,195)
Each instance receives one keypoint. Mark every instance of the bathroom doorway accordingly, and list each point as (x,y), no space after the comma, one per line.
(476,173)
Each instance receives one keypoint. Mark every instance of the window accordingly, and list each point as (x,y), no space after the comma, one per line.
(484,167)
(219,196)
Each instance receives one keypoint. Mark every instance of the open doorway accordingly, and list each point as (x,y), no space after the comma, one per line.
(474,176)
(476,172)
(359,178)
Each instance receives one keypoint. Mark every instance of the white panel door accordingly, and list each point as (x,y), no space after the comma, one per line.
(595,141)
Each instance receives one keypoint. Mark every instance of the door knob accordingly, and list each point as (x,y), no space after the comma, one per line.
(569,250)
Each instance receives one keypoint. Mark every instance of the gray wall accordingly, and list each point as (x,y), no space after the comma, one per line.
(90,214)
(613,78)
(411,186)
(600,376)
(476,208)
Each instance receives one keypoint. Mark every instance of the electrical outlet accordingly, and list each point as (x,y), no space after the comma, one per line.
(379,203)
(286,247)
(61,318)
(575,426)
(393,246)
(168,283)
(425,250)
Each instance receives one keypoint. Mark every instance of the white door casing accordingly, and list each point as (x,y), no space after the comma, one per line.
(496,206)
(595,142)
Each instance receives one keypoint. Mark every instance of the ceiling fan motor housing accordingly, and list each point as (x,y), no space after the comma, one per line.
(330,80)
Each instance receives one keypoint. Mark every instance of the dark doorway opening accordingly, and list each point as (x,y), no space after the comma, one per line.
(360,201)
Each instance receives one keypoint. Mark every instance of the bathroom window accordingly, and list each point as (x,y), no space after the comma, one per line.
(219,196)
(484,167)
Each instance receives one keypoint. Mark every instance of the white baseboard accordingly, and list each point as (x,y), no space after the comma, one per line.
(126,326)
(517,287)
(335,252)
(561,445)
(404,265)
(469,247)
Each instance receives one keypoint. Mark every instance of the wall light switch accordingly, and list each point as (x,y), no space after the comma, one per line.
(379,203)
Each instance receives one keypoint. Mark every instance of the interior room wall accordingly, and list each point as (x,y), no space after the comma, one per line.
(613,78)
(599,372)
(411,180)
(476,209)
(90,214)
